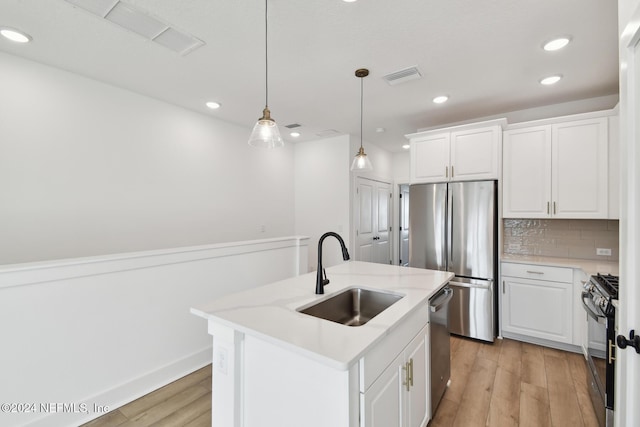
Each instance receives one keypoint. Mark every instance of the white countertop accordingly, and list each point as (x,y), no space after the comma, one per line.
(590,267)
(269,312)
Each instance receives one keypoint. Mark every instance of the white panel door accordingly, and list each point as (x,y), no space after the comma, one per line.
(381,404)
(430,158)
(580,169)
(538,308)
(526,182)
(365,227)
(372,221)
(475,154)
(381,242)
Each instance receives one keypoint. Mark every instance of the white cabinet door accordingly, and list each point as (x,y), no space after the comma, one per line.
(400,396)
(580,169)
(430,158)
(527,173)
(538,308)
(417,414)
(382,403)
(475,154)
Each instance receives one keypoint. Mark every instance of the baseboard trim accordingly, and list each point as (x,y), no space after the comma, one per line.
(131,390)
(545,343)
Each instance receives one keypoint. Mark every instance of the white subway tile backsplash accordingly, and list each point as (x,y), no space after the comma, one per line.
(574,238)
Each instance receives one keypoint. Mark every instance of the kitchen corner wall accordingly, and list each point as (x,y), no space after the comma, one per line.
(322,195)
(565,238)
(90,169)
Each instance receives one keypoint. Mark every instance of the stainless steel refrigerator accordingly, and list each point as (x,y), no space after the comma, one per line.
(453,227)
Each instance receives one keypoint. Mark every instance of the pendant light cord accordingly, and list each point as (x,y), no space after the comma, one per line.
(266,54)
(361,107)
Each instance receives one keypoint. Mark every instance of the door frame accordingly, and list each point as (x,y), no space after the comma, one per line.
(627,389)
(397,252)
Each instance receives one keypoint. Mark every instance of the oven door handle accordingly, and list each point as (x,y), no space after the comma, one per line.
(588,309)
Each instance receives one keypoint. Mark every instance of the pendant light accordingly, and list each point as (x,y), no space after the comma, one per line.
(265,132)
(361,162)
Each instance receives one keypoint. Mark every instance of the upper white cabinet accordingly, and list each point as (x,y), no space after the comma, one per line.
(557,171)
(462,153)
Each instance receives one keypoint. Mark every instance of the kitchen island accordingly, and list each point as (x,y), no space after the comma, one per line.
(275,366)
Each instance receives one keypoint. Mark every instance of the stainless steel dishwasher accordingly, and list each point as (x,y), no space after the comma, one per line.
(440,345)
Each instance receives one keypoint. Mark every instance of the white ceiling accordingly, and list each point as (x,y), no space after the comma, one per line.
(485,54)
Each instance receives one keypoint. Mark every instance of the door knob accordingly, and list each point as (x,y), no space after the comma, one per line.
(633,341)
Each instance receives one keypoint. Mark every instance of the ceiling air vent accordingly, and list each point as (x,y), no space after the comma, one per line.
(327,133)
(402,76)
(141,23)
(293,126)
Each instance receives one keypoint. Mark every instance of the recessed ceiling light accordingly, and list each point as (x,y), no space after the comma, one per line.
(551,80)
(406,146)
(15,35)
(213,105)
(349,1)
(295,134)
(556,44)
(380,130)
(440,99)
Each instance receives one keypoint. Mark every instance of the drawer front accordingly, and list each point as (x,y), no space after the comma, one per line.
(538,272)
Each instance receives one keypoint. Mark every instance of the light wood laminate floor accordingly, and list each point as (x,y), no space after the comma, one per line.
(507,383)
(510,383)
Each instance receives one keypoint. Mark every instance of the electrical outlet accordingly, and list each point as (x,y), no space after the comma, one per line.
(603,251)
(220,359)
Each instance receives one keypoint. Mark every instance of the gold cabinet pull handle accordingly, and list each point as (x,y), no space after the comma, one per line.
(405,368)
(411,372)
(451,171)
(446,171)
(548,208)
(554,208)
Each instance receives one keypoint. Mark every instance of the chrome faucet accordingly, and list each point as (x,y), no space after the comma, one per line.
(321,278)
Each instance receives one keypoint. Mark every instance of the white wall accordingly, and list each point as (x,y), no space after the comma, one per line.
(106,330)
(89,169)
(322,200)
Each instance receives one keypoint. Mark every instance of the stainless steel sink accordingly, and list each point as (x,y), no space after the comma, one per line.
(352,307)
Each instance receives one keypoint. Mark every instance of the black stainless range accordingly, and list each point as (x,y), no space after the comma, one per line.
(598,300)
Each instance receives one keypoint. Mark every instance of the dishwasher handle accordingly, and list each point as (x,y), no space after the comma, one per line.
(441,301)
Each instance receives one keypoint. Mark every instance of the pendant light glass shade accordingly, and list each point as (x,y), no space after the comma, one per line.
(265,133)
(361,162)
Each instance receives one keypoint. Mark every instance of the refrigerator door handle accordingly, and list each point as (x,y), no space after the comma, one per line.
(449,216)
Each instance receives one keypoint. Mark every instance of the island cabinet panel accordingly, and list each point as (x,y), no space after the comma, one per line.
(281,388)
(400,395)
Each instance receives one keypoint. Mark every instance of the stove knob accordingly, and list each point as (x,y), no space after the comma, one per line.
(599,301)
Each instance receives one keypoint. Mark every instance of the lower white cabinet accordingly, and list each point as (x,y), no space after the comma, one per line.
(399,396)
(538,301)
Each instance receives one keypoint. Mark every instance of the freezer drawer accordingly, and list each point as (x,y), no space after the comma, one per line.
(471,312)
